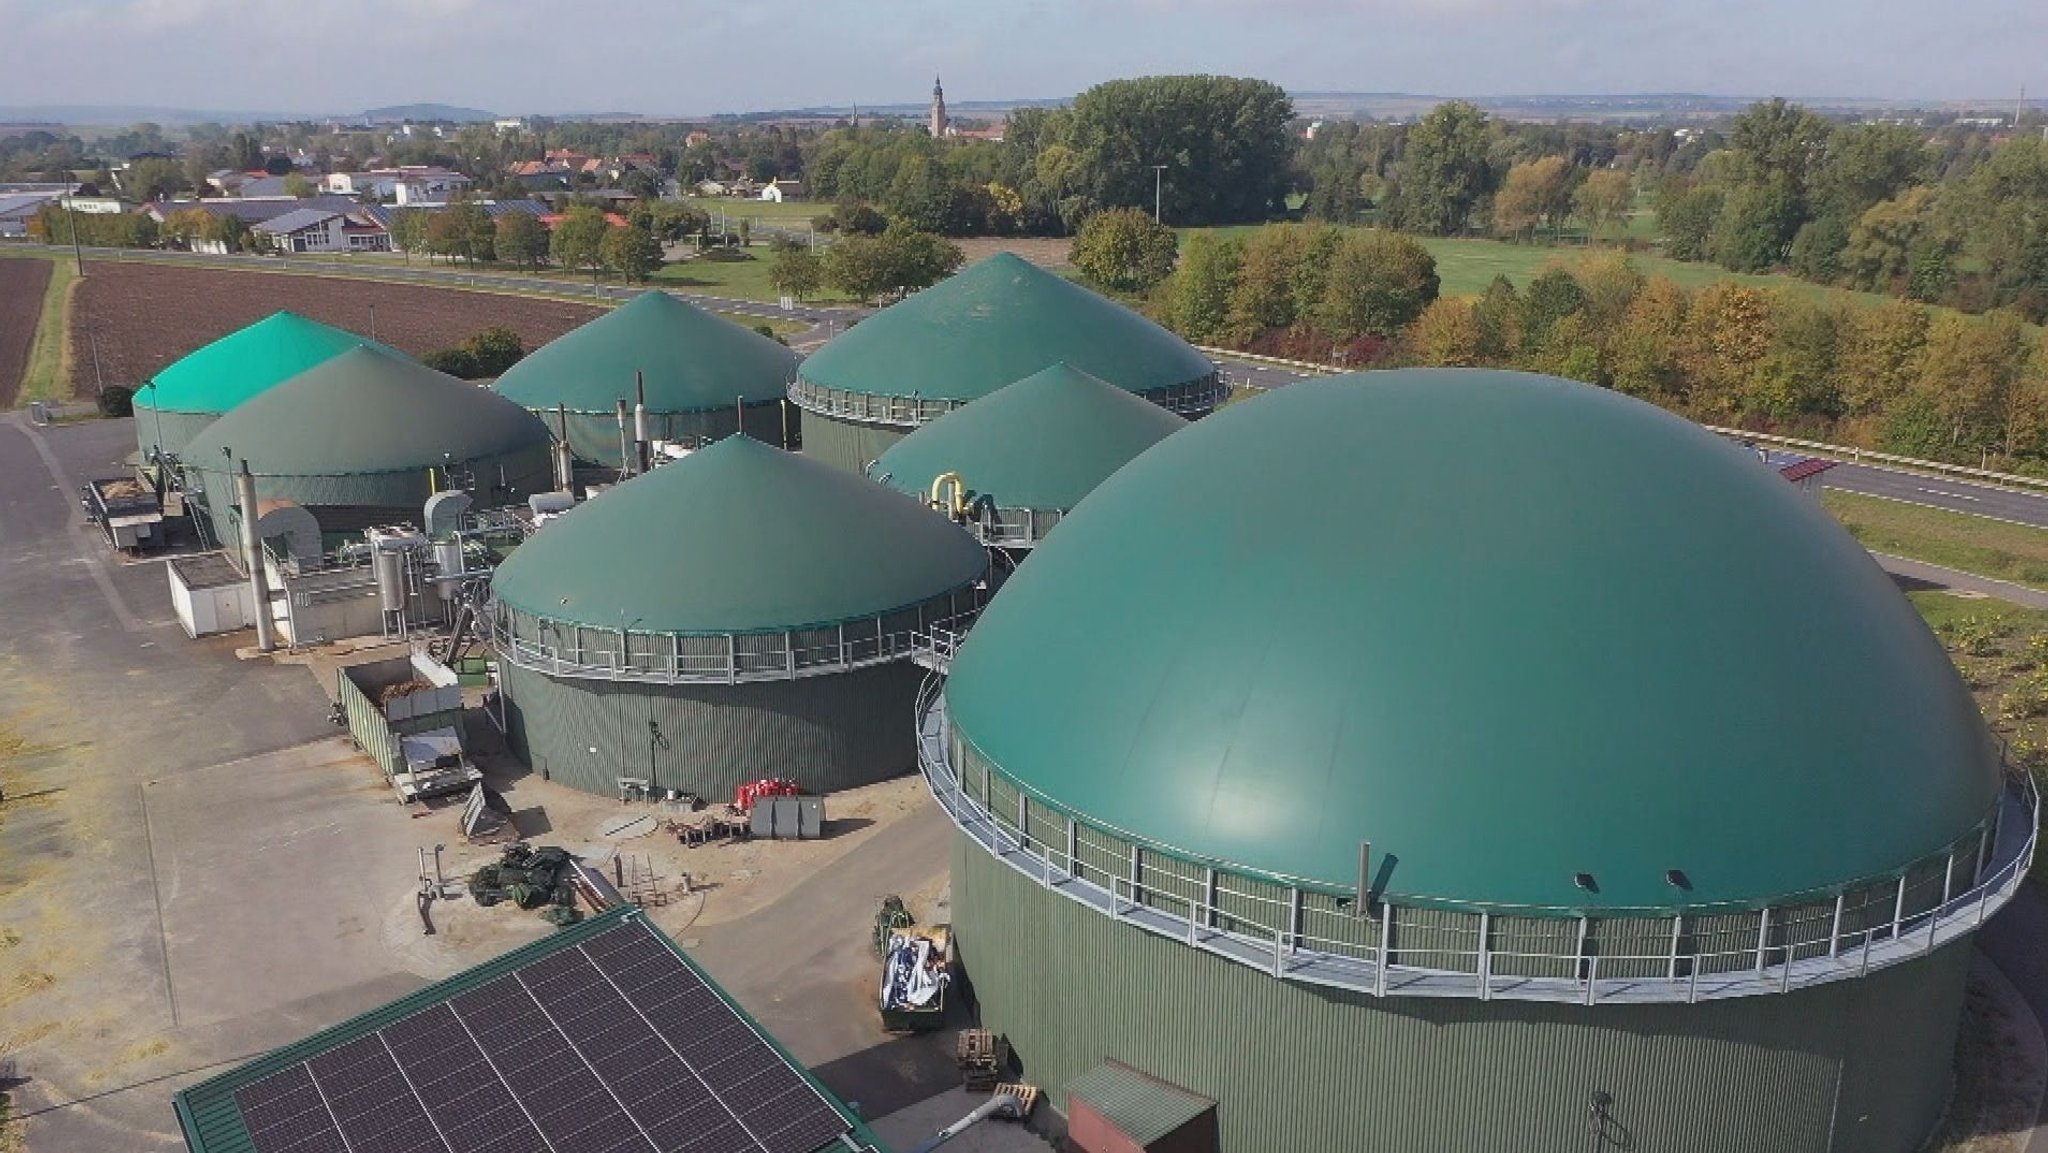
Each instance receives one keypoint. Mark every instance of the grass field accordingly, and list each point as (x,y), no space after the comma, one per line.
(742,278)
(48,376)
(1992,548)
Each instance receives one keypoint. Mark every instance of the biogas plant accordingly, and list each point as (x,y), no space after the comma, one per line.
(1409,760)
(1493,761)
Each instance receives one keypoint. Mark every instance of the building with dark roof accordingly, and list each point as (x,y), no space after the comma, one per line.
(705,378)
(1293,771)
(995,322)
(601,1036)
(193,391)
(1012,464)
(362,439)
(737,614)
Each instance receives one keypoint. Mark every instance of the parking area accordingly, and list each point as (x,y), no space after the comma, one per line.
(194,868)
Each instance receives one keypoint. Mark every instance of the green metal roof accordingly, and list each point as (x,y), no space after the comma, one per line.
(994,322)
(1041,443)
(1142,1108)
(738,537)
(246,362)
(1504,627)
(212,1122)
(367,410)
(692,360)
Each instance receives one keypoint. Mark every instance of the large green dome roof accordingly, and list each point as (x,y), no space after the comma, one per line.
(1041,443)
(1504,627)
(738,537)
(693,361)
(997,321)
(223,374)
(367,410)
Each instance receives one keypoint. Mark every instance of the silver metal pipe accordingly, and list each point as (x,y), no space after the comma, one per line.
(252,551)
(1004,1104)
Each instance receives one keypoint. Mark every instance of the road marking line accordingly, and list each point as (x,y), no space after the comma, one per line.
(1939,508)
(1952,495)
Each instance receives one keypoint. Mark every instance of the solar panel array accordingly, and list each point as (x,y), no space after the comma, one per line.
(612,1046)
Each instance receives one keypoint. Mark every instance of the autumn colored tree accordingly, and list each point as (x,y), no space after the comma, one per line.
(1446,335)
(1535,194)
(1198,297)
(1604,199)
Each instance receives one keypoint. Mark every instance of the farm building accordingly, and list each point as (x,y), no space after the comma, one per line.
(1510,809)
(998,321)
(765,605)
(192,392)
(1022,457)
(706,377)
(363,440)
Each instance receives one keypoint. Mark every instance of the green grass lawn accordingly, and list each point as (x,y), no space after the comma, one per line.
(48,376)
(747,279)
(1992,548)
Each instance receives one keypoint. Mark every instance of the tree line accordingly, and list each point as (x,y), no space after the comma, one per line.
(1898,375)
(1942,215)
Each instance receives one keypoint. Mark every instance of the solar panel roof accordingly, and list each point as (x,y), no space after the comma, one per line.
(603,1038)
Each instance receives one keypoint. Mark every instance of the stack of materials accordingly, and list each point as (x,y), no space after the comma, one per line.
(527,877)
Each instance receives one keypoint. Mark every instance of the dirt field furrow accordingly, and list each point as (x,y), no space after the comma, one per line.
(137,318)
(22,283)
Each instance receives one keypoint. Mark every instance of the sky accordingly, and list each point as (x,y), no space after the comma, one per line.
(685,57)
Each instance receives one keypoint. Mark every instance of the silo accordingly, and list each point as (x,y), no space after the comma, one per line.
(1473,760)
(995,322)
(192,392)
(737,614)
(706,377)
(364,439)
(1011,465)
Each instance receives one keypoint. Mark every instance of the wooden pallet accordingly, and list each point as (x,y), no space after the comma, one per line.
(1028,1094)
(984,1057)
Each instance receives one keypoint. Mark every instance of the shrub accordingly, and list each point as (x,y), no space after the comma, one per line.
(117,400)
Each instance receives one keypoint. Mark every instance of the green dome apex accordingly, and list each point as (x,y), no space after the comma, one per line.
(216,377)
(997,321)
(738,537)
(1505,628)
(367,410)
(1042,443)
(692,361)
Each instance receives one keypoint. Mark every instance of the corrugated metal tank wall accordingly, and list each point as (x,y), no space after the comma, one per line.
(830,732)
(846,444)
(1860,1066)
(595,437)
(178,429)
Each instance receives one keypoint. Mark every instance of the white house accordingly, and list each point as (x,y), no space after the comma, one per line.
(306,230)
(780,190)
(407,184)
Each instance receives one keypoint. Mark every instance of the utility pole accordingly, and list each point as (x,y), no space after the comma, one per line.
(1158,185)
(77,252)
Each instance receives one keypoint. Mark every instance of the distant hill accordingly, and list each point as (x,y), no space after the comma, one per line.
(447,112)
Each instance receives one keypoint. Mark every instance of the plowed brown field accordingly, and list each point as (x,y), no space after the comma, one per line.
(139,317)
(22,284)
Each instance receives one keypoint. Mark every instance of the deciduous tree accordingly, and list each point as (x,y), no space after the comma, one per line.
(1124,250)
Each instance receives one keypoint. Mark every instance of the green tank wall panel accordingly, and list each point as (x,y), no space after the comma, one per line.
(523,471)
(830,732)
(171,431)
(847,444)
(594,437)
(1858,1066)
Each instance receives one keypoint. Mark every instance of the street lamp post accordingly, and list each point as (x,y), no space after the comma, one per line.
(1158,188)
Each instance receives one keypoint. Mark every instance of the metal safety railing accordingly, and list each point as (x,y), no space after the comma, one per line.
(934,648)
(1387,948)
(575,651)
(1190,399)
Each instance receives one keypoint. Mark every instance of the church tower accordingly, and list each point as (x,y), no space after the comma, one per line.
(938,108)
